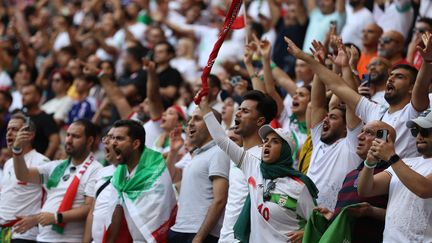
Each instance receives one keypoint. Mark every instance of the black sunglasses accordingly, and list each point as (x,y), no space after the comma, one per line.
(270,187)
(423,132)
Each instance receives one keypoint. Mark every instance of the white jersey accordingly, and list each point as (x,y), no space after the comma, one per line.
(408,217)
(73,231)
(405,143)
(329,164)
(102,202)
(21,198)
(270,221)
(237,193)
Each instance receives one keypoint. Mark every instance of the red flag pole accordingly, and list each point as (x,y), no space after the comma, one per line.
(229,19)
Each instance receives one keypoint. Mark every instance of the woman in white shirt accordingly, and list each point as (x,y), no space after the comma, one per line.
(280,198)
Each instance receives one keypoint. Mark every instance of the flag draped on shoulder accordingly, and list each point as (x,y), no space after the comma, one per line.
(319,229)
(147,196)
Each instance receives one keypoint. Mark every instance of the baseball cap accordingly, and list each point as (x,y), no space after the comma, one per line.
(424,120)
(285,135)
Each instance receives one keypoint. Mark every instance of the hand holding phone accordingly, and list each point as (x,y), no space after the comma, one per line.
(382,134)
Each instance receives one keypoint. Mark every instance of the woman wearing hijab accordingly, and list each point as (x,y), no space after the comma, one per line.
(280,198)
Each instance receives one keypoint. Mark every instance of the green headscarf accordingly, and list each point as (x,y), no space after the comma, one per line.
(281,168)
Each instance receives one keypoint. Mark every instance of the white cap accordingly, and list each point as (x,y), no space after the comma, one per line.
(285,135)
(424,120)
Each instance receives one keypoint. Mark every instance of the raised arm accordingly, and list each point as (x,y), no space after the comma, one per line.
(420,94)
(155,100)
(114,93)
(329,78)
(415,182)
(370,185)
(265,50)
(235,152)
(250,49)
(342,60)
(318,104)
(22,172)
(340,6)
(275,11)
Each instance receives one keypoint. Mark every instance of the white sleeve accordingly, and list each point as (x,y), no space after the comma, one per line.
(316,133)
(90,187)
(235,152)
(367,110)
(305,204)
(351,137)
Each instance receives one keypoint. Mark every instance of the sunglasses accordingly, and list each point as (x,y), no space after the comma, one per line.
(386,40)
(270,187)
(423,132)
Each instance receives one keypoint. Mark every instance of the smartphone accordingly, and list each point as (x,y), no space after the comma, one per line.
(234,80)
(366,80)
(382,134)
(27,123)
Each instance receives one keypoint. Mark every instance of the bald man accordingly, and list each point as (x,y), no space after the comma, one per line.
(378,70)
(370,37)
(370,216)
(391,45)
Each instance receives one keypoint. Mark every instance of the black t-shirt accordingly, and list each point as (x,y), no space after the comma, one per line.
(281,57)
(45,127)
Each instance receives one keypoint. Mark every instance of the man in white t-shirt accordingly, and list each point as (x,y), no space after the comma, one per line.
(20,202)
(249,119)
(407,182)
(96,219)
(69,183)
(406,95)
(358,17)
(334,137)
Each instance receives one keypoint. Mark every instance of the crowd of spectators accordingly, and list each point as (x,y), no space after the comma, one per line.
(316,113)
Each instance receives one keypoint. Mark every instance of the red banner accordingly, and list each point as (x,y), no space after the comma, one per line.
(230,17)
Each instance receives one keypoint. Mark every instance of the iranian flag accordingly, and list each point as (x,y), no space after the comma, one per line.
(147,197)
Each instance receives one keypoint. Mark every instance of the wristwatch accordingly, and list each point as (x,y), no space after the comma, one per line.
(59,218)
(393,159)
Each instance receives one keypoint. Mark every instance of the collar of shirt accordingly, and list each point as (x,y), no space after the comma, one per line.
(204,148)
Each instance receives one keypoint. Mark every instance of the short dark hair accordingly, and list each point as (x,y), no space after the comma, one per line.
(214,81)
(90,129)
(266,106)
(425,20)
(37,88)
(409,68)
(7,96)
(170,48)
(135,130)
(69,50)
(137,52)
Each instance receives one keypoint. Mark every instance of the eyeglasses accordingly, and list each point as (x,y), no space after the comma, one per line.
(423,132)
(270,187)
(386,40)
